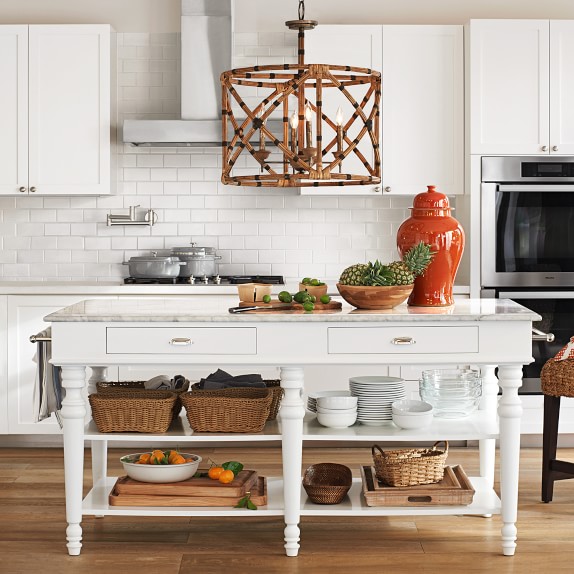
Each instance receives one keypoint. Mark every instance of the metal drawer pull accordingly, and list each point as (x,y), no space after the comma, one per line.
(181,341)
(538,335)
(403,341)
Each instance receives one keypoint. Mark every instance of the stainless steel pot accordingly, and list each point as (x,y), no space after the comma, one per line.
(201,261)
(154,267)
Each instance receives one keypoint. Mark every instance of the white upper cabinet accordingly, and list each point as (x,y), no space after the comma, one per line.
(521,87)
(423,109)
(422,115)
(57,104)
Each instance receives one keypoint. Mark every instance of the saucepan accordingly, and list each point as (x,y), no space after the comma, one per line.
(201,261)
(154,267)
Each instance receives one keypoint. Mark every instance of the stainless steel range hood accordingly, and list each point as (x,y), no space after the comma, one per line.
(206,51)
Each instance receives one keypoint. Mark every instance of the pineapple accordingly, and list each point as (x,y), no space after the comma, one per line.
(414,263)
(353,275)
(378,275)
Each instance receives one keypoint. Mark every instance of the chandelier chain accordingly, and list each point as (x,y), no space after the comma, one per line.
(301,9)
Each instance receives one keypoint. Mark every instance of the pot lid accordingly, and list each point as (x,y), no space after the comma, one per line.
(193,250)
(154,258)
(431,199)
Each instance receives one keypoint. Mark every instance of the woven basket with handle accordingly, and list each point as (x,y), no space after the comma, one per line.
(409,467)
(327,482)
(557,378)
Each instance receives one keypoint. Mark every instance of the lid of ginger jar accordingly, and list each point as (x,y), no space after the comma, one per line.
(431,199)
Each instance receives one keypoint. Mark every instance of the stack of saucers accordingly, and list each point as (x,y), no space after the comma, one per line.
(375,396)
(312,398)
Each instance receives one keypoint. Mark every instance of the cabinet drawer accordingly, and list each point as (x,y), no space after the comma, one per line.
(182,341)
(398,340)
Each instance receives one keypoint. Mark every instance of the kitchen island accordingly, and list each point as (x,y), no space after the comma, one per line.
(488,333)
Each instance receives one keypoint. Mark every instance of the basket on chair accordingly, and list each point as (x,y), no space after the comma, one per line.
(327,482)
(409,467)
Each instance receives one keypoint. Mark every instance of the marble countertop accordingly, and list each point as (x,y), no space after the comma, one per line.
(180,310)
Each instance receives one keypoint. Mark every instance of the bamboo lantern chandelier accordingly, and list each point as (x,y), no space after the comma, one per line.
(299,134)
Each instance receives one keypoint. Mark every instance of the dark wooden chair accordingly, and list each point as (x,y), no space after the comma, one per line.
(557,379)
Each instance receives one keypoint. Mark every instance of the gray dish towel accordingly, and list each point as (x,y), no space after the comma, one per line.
(48,392)
(222,380)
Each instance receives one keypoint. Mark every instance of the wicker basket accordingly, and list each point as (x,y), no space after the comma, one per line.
(277,393)
(124,411)
(112,387)
(327,482)
(242,409)
(557,378)
(410,467)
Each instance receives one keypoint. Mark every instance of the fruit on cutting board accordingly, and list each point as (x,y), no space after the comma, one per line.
(377,274)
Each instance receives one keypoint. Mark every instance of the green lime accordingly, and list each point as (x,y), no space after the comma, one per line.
(285,297)
(306,281)
(312,298)
(266,298)
(308,306)
(315,282)
(325,299)
(302,296)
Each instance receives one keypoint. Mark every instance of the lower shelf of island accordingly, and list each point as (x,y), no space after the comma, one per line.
(485,501)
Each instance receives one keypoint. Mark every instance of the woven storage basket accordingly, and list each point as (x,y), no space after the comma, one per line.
(123,411)
(557,378)
(410,467)
(327,482)
(273,385)
(242,409)
(111,387)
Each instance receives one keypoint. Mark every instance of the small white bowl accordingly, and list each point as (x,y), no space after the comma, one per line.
(409,421)
(337,402)
(336,411)
(337,421)
(414,408)
(159,473)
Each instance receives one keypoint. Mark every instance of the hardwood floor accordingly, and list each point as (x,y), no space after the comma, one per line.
(32,528)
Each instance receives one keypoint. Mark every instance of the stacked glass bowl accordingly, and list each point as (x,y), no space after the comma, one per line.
(453,393)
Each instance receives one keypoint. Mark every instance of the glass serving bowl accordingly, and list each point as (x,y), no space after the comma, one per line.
(453,393)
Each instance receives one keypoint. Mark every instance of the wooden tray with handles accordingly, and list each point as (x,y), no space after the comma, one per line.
(277,306)
(454,489)
(159,498)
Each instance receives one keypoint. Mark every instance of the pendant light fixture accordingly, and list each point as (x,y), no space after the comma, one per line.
(301,125)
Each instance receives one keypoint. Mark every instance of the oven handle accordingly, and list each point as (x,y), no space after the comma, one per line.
(535,187)
(538,335)
(536,294)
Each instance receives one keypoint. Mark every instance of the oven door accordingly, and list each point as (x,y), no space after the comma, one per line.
(549,335)
(527,235)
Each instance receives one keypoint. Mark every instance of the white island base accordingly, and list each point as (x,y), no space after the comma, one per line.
(474,332)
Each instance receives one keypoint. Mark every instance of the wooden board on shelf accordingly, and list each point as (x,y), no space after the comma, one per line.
(454,489)
(201,486)
(293,308)
(258,497)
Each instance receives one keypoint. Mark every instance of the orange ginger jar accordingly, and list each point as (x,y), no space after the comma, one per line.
(431,222)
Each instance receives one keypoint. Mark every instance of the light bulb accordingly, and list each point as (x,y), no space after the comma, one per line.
(294,121)
(339,116)
(308,112)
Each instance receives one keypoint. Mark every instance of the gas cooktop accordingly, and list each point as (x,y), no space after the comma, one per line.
(212,281)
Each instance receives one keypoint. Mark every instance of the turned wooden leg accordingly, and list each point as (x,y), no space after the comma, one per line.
(292,413)
(549,444)
(73,413)
(509,412)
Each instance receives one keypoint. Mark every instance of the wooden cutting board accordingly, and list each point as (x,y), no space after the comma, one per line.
(453,489)
(243,482)
(258,497)
(293,308)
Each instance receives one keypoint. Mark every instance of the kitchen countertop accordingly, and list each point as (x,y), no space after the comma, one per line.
(179,310)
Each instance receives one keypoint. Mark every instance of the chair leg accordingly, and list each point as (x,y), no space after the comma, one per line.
(549,443)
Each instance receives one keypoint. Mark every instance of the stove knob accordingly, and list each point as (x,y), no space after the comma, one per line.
(217,280)
(205,279)
(191,279)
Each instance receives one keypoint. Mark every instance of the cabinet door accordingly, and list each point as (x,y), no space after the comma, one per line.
(423,109)
(357,46)
(69,76)
(561,87)
(509,87)
(13,109)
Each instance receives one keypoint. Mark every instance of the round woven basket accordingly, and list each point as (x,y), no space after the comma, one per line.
(327,482)
(557,378)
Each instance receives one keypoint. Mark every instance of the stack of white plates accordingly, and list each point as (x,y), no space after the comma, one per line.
(375,397)
(312,398)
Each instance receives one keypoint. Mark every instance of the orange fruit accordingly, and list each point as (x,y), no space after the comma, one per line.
(173,454)
(226,477)
(214,472)
(156,455)
(177,459)
(144,458)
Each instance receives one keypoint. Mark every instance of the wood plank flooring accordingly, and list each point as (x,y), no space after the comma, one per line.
(32,527)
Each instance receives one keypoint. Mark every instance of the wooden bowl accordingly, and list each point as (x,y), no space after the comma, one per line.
(252,292)
(317,290)
(364,297)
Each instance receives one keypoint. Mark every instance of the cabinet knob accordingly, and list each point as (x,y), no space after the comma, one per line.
(554,148)
(22,190)
(544,148)
(377,189)
(387,189)
(32,189)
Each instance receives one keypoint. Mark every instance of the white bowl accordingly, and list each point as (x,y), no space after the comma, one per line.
(336,411)
(414,408)
(160,472)
(337,421)
(410,421)
(337,402)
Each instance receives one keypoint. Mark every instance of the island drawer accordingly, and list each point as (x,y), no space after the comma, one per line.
(408,340)
(182,340)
